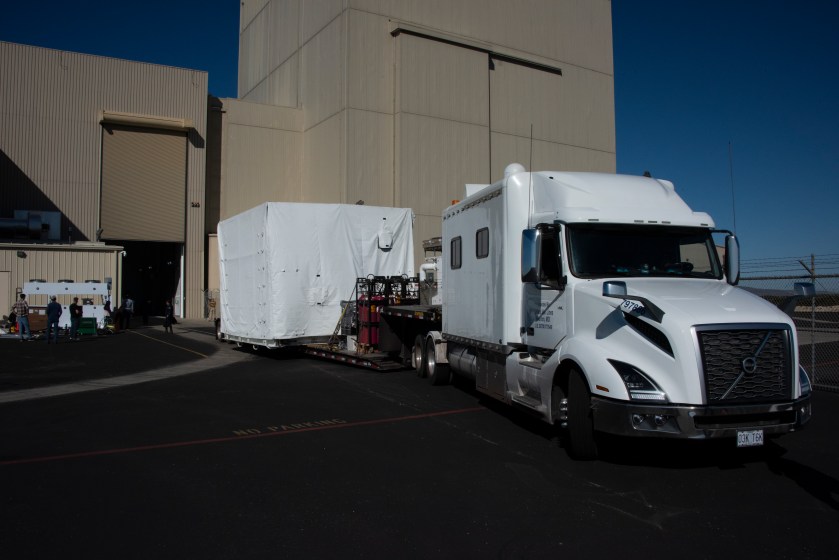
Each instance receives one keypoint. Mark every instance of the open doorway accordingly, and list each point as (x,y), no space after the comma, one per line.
(150,274)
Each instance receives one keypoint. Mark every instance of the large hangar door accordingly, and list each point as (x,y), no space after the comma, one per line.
(143,208)
(441,125)
(143,184)
(565,118)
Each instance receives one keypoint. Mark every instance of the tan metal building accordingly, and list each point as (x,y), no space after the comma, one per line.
(402,102)
(102,174)
(24,262)
(389,102)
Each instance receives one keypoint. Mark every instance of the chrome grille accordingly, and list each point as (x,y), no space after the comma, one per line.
(746,364)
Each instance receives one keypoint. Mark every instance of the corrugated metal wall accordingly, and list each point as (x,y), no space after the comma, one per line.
(54,263)
(143,182)
(50,139)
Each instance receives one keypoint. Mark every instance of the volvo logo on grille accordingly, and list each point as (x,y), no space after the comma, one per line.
(749,365)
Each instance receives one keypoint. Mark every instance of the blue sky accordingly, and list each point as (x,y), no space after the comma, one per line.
(693,76)
(691,79)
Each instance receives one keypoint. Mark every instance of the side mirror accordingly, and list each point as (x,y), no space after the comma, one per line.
(732,259)
(804,289)
(613,288)
(800,291)
(530,256)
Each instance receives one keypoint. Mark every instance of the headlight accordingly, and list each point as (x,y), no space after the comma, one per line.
(638,385)
(804,381)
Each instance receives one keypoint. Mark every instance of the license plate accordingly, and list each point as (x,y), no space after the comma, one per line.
(749,438)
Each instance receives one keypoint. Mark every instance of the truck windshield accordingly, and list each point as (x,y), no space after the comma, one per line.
(598,251)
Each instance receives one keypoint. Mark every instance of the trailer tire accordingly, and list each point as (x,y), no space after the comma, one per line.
(582,443)
(219,334)
(438,374)
(418,356)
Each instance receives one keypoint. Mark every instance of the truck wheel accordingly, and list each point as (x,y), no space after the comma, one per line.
(418,356)
(438,374)
(581,441)
(219,334)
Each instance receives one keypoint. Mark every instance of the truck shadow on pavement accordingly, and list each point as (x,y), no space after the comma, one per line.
(819,485)
(676,454)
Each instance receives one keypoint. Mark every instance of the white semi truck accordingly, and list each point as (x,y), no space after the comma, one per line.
(600,303)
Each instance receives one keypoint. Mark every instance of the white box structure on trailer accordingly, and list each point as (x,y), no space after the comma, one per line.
(286,267)
(92,297)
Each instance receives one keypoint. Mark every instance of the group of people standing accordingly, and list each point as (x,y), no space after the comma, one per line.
(54,311)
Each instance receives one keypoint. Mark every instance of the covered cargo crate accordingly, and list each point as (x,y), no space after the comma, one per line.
(285,268)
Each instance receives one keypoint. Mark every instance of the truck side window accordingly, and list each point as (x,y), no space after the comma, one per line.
(456,254)
(550,257)
(482,243)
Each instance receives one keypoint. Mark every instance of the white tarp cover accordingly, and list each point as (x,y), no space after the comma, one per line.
(285,267)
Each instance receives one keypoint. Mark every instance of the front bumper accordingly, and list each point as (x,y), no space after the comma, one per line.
(698,422)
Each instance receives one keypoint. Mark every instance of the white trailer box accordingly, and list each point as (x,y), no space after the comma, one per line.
(286,267)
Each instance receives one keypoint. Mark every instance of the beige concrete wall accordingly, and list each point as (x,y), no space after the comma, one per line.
(370,60)
(323,161)
(322,75)
(262,156)
(398,119)
(213,272)
(370,158)
(268,47)
(577,32)
(316,15)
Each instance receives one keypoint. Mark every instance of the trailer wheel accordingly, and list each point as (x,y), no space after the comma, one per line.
(438,374)
(581,440)
(418,356)
(219,334)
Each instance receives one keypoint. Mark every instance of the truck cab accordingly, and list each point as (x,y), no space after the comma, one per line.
(600,302)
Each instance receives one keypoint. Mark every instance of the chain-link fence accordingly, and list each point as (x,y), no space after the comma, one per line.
(816,318)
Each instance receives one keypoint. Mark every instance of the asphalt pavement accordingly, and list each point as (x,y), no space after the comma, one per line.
(160,445)
(36,368)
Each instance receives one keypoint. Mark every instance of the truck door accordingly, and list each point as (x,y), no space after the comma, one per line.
(543,288)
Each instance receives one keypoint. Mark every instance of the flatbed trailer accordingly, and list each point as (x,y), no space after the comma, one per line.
(378,361)
(399,327)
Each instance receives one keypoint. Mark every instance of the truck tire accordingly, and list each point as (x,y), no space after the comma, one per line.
(582,443)
(438,374)
(219,334)
(418,356)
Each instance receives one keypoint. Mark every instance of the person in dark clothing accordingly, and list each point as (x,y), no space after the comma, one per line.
(168,317)
(127,312)
(53,315)
(75,318)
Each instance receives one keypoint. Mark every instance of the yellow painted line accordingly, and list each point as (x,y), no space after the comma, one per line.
(168,343)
